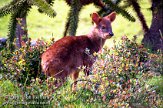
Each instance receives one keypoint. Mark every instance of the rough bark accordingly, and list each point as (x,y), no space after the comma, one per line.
(21,32)
(153,38)
(21,26)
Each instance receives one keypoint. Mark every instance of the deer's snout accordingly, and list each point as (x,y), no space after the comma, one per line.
(111,34)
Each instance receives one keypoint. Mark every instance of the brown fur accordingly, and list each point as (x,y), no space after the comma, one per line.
(66,55)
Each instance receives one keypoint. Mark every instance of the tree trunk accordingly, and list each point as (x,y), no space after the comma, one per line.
(153,39)
(21,31)
(21,26)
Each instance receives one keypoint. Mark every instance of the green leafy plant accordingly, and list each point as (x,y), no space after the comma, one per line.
(19,9)
(24,63)
(123,76)
(118,79)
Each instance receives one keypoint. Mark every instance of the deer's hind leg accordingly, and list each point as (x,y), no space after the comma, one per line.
(74,77)
(60,78)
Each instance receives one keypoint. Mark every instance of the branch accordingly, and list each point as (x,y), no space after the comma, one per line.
(140,15)
(44,7)
(118,9)
(74,17)
(11,7)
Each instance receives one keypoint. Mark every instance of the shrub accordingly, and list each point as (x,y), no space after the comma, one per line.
(119,78)
(23,63)
(22,69)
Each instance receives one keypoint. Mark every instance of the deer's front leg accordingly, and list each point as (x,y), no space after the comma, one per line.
(87,71)
(74,77)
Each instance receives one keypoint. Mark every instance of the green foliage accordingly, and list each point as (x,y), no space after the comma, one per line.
(11,7)
(9,93)
(51,2)
(119,77)
(45,7)
(19,9)
(24,63)
(120,10)
(46,27)
(123,76)
(157,82)
(156,62)
(110,5)
(74,17)
(11,34)
(15,5)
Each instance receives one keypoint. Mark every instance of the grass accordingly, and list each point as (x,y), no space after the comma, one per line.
(157,81)
(4,21)
(41,26)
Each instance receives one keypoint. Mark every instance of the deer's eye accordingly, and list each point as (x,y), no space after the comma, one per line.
(103,27)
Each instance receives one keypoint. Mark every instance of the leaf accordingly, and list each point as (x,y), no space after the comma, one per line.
(120,10)
(44,7)
(11,7)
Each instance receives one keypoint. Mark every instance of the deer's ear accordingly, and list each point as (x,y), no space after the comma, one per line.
(112,16)
(95,18)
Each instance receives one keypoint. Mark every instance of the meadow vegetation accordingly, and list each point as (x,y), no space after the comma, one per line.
(124,75)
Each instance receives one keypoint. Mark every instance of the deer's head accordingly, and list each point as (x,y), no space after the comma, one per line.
(102,25)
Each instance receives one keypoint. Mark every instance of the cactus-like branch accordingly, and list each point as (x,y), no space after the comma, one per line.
(74,16)
(44,7)
(120,10)
(11,7)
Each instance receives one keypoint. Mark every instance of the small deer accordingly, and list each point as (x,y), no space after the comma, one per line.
(65,56)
